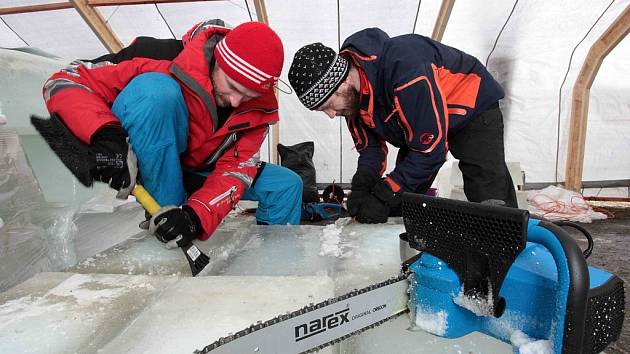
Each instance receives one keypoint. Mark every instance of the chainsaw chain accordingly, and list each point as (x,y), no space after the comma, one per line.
(260,325)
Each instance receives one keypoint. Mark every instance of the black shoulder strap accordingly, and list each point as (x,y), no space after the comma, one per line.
(144,47)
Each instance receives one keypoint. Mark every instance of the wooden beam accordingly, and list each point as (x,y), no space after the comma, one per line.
(35,8)
(442,19)
(137,2)
(97,23)
(94,3)
(261,14)
(581,92)
(261,11)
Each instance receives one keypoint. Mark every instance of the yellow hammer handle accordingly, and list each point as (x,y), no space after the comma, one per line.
(145,199)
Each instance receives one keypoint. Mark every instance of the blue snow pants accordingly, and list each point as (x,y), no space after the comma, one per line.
(152,110)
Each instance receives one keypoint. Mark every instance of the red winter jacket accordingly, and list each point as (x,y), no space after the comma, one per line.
(83,93)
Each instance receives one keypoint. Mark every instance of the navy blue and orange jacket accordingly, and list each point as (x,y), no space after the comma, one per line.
(415,93)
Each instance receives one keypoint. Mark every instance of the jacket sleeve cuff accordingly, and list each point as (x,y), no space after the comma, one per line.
(383,191)
(205,215)
(395,187)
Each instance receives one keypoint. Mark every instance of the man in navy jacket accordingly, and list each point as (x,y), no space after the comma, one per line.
(419,95)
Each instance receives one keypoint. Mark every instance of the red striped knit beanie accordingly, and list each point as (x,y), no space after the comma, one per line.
(252,55)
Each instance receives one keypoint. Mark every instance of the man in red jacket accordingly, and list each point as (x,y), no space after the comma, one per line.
(204,113)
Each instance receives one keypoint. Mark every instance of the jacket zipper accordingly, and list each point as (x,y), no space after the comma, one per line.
(218,198)
(221,149)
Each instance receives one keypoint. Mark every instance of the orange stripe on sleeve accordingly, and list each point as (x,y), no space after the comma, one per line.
(392,184)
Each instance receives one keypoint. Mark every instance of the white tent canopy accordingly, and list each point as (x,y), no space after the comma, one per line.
(542,43)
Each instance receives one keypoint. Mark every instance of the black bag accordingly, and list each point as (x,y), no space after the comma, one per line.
(299,159)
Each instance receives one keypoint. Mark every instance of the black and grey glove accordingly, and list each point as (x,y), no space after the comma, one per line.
(177,227)
(114,161)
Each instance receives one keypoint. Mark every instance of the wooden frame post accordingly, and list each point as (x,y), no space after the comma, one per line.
(261,13)
(97,23)
(442,19)
(581,91)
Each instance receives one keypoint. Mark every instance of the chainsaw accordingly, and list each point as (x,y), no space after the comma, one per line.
(478,267)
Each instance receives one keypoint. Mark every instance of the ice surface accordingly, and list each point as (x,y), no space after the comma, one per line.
(261,263)
(23,239)
(81,313)
(195,312)
(96,232)
(394,337)
(40,235)
(22,76)
(57,184)
(363,254)
(72,313)
(142,253)
(127,290)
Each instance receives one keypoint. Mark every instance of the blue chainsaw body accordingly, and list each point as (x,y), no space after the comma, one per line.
(496,274)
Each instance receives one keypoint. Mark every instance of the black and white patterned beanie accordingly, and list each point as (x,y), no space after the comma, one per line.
(315,74)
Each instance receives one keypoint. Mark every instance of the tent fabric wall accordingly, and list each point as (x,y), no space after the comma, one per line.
(530,60)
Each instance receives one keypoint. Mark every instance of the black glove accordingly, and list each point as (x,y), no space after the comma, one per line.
(177,227)
(114,162)
(355,201)
(373,211)
(380,204)
(383,191)
(361,187)
(363,180)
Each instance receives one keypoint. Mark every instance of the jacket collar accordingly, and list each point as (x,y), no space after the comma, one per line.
(366,93)
(195,74)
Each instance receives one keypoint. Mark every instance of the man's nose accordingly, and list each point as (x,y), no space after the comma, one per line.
(331,113)
(236,100)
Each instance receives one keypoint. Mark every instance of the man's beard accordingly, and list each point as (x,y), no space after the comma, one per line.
(221,100)
(351,108)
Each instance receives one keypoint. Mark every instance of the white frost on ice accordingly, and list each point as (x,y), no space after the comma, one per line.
(78,290)
(86,290)
(330,241)
(527,345)
(432,322)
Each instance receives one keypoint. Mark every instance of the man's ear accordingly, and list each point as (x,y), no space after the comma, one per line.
(342,87)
